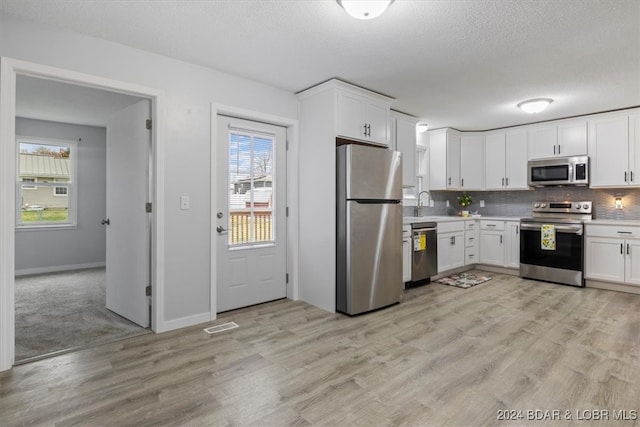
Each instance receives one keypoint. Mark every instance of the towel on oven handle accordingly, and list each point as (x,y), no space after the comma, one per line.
(548,237)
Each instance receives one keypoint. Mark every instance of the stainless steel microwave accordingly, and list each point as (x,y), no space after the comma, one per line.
(559,171)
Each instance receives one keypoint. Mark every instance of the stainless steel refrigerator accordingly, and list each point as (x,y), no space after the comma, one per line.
(369,228)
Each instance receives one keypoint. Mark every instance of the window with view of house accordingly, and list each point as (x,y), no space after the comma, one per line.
(251,187)
(46,182)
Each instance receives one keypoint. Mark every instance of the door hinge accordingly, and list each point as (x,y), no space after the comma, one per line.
(287,278)
(148,208)
(148,124)
(287,211)
(147,291)
(287,145)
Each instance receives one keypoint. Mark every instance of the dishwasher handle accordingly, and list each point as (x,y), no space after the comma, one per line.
(414,230)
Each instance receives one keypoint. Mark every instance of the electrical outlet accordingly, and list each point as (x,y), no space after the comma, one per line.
(185,203)
(431,204)
(482,203)
(447,203)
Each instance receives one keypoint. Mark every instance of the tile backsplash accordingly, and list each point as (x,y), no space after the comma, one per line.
(518,203)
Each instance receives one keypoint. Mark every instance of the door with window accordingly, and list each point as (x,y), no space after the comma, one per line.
(251,217)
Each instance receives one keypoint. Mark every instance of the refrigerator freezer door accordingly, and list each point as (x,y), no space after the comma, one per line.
(369,173)
(370,273)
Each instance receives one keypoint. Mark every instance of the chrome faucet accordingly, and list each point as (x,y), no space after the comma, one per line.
(418,209)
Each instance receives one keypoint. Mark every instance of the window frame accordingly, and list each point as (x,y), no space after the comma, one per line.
(71,185)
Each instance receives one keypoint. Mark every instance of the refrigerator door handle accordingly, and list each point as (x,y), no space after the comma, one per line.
(375,202)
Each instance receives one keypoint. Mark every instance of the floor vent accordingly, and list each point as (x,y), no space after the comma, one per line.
(221,328)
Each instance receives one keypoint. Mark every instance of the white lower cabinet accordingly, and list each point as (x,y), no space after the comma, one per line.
(471,243)
(612,255)
(492,242)
(500,243)
(406,253)
(450,245)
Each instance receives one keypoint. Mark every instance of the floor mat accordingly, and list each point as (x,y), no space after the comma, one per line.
(463,280)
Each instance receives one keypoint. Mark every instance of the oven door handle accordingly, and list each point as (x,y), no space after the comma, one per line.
(571,229)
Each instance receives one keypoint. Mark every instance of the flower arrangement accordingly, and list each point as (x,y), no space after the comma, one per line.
(465,200)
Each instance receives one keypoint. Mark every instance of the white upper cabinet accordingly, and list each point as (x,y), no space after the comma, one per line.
(572,138)
(362,116)
(444,160)
(506,160)
(543,141)
(614,147)
(558,139)
(472,161)
(403,129)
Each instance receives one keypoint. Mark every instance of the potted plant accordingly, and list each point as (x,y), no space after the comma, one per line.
(464,201)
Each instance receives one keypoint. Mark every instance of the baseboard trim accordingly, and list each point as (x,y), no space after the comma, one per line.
(58,268)
(609,286)
(183,322)
(495,269)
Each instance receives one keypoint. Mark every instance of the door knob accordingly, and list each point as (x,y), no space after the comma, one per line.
(105,222)
(220,229)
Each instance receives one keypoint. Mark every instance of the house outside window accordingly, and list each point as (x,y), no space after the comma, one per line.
(50,197)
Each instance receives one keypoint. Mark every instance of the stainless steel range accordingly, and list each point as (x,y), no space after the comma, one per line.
(552,242)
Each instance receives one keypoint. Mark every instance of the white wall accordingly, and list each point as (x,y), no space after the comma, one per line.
(190,89)
(85,244)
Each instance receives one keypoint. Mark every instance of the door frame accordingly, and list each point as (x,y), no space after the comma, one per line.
(292,194)
(9,68)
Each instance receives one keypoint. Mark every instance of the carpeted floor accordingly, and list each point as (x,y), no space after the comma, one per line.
(61,311)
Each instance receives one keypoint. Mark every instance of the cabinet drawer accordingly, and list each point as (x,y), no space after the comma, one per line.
(471,256)
(406,231)
(491,225)
(471,225)
(625,231)
(470,240)
(449,226)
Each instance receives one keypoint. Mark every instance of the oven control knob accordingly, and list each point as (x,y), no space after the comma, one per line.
(544,205)
(536,205)
(578,207)
(585,206)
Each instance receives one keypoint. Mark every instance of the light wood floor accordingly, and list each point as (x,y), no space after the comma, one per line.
(445,356)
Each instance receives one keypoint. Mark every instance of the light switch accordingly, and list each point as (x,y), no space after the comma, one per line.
(447,203)
(482,203)
(185,203)
(431,204)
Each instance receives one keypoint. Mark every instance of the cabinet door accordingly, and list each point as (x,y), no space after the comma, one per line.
(444,251)
(516,160)
(406,260)
(608,150)
(457,250)
(495,161)
(512,250)
(453,161)
(438,161)
(405,131)
(632,262)
(350,115)
(543,141)
(634,150)
(604,259)
(376,116)
(572,138)
(492,247)
(471,162)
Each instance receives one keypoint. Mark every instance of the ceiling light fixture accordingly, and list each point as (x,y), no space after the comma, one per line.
(364,9)
(422,127)
(534,106)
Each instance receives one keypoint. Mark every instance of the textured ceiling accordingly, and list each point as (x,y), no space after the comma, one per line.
(463,64)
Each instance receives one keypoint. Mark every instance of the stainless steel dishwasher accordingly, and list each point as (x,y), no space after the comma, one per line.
(424,245)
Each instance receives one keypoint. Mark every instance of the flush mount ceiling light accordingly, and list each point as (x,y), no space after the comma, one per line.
(533,106)
(364,9)
(422,127)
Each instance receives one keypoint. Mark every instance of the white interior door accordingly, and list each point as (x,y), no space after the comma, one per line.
(128,230)
(251,217)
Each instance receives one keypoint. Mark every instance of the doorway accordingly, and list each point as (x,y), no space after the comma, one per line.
(11,69)
(251,213)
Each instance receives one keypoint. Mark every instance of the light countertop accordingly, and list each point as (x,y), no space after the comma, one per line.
(414,219)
